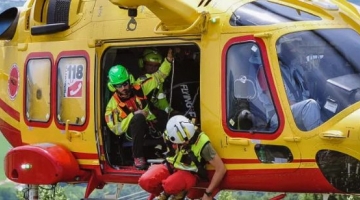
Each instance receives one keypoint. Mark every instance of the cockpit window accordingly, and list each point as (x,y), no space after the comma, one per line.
(322,70)
(267,13)
(249,103)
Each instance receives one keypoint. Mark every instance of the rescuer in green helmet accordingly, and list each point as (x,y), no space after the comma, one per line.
(155,70)
(128,112)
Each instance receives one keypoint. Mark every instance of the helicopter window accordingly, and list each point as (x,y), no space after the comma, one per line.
(329,70)
(273,153)
(267,13)
(305,110)
(38,73)
(249,103)
(71,90)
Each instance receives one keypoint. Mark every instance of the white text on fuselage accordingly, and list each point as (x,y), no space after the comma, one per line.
(188,101)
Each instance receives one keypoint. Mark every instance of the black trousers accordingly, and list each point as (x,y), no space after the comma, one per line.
(137,129)
(161,120)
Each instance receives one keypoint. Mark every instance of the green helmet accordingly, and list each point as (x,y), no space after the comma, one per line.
(150,55)
(118,74)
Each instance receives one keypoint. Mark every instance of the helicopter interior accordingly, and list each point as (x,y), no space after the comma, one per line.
(181,88)
(331,70)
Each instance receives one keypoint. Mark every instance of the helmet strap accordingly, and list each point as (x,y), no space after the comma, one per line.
(194,138)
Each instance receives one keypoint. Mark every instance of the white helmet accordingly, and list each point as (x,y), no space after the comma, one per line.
(179,129)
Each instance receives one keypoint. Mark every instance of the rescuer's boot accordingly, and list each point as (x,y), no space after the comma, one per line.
(140,163)
(162,196)
(179,196)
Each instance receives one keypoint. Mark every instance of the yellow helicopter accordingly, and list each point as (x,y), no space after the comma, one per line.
(235,62)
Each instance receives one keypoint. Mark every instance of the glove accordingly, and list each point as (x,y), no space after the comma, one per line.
(117,129)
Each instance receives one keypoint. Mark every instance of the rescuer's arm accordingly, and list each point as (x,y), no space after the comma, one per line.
(220,170)
(163,104)
(161,101)
(150,86)
(164,69)
(112,117)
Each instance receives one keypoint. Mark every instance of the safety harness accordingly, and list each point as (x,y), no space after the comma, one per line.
(189,156)
(138,101)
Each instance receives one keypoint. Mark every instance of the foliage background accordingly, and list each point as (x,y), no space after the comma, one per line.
(4,147)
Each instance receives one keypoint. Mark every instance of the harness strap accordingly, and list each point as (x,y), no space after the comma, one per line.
(168,166)
(202,173)
(122,106)
(139,95)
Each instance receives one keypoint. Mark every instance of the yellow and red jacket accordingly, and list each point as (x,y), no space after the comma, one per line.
(118,114)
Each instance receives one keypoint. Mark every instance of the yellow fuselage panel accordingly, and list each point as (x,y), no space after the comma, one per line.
(94,22)
(85,142)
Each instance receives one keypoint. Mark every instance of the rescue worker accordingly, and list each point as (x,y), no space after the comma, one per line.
(186,165)
(156,69)
(128,111)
